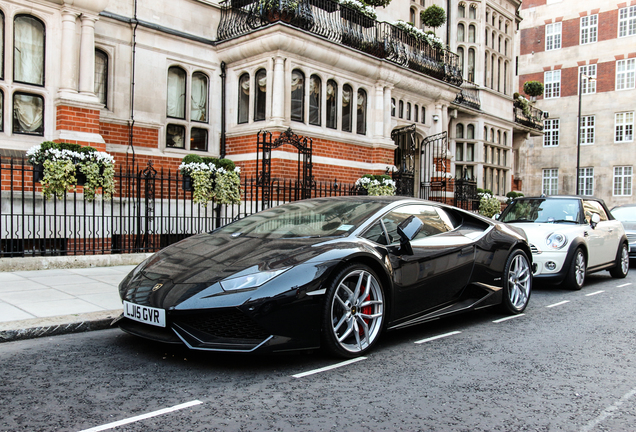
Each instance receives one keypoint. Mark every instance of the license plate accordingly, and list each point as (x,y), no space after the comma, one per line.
(145,314)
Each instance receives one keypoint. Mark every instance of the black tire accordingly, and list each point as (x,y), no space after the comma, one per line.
(517,282)
(575,277)
(622,263)
(354,311)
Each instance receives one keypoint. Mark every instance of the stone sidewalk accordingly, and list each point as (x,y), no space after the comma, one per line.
(39,303)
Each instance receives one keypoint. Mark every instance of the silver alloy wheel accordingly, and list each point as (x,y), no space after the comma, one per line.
(519,281)
(579,269)
(624,259)
(357,310)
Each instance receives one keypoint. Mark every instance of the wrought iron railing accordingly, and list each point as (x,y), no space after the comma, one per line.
(529,116)
(342,25)
(149,210)
(469,95)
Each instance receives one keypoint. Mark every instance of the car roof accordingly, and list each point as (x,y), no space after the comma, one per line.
(560,197)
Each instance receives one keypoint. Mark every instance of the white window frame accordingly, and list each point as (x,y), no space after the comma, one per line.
(588,85)
(552,84)
(588,129)
(623,177)
(589,29)
(550,181)
(624,127)
(627,21)
(625,74)
(551,133)
(586,181)
(553,36)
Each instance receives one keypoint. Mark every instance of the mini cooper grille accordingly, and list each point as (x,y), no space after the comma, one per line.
(631,238)
(232,324)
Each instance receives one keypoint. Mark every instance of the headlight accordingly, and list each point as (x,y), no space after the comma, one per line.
(251,280)
(556,241)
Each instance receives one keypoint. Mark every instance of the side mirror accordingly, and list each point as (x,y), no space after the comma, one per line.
(595,220)
(407,230)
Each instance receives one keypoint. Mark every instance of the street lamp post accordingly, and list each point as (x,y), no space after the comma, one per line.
(578,135)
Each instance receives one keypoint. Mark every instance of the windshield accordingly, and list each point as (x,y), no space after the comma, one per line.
(624,214)
(307,218)
(543,210)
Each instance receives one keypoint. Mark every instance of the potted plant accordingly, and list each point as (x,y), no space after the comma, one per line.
(358,13)
(488,204)
(533,89)
(433,16)
(376,185)
(59,167)
(211,179)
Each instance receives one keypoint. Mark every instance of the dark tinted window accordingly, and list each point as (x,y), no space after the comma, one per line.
(435,221)
(376,234)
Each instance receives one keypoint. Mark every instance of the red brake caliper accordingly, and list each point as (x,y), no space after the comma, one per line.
(367,310)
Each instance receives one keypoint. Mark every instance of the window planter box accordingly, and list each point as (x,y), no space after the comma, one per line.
(355,17)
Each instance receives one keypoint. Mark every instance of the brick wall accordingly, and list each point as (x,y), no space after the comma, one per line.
(569,82)
(608,25)
(118,134)
(532,3)
(605,76)
(532,40)
(77,119)
(570,32)
(529,77)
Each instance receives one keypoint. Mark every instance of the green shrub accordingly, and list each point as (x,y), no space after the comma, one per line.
(533,88)
(433,16)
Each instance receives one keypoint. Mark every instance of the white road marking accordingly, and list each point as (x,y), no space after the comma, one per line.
(143,416)
(624,285)
(327,368)
(608,411)
(594,293)
(507,318)
(559,303)
(437,337)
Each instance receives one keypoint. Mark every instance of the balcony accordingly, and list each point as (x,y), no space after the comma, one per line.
(528,116)
(469,95)
(344,26)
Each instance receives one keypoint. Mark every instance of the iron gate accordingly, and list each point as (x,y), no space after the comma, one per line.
(435,168)
(404,160)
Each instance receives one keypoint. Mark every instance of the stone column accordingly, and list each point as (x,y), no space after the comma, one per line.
(278,91)
(378,109)
(87,56)
(68,63)
(387,112)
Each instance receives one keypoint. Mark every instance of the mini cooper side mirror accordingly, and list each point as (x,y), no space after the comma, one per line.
(595,220)
(496,216)
(408,230)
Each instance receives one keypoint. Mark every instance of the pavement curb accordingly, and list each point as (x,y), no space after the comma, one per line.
(57,326)
(69,262)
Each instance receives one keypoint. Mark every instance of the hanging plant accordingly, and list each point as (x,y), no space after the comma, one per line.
(212,179)
(62,163)
(376,185)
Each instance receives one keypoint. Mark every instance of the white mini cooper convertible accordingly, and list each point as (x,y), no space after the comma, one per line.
(570,236)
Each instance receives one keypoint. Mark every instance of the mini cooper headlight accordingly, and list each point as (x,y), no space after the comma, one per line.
(556,240)
(253,280)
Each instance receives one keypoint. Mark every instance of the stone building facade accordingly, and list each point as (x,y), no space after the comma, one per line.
(582,51)
(157,80)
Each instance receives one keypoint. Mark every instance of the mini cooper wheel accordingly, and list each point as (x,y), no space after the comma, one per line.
(517,282)
(576,272)
(622,263)
(354,312)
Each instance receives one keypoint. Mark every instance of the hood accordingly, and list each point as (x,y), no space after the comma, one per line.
(538,232)
(194,264)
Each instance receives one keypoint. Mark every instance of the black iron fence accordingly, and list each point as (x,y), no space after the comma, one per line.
(343,25)
(469,95)
(149,210)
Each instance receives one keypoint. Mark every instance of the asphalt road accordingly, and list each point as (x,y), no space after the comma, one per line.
(567,364)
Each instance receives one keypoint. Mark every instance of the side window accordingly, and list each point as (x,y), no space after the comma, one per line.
(435,221)
(592,207)
(375,234)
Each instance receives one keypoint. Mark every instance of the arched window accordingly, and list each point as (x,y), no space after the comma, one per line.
(506,47)
(244,98)
(460,32)
(28,114)
(1,47)
(485,133)
(492,135)
(486,70)
(472,12)
(505,78)
(176,93)
(498,138)
(499,75)
(408,111)
(101,76)
(347,108)
(492,72)
(392,107)
(1,111)
(461,11)
(199,97)
(471,65)
(460,53)
(28,50)
(492,40)
(499,45)
(423,114)
(505,140)
(332,104)
(416,114)
(260,95)
(401,109)
(298,96)
(413,15)
(471,33)
(361,120)
(470,131)
(459,130)
(315,88)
